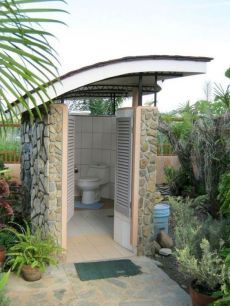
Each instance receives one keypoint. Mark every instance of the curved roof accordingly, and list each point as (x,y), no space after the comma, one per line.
(119,76)
(138,58)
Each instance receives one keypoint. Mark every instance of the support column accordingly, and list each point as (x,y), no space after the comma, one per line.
(135,97)
(57,178)
(144,183)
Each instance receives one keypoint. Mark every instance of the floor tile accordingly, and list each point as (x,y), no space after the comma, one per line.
(90,236)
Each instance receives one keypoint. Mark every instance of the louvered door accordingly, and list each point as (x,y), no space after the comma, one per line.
(123,168)
(123,182)
(71,162)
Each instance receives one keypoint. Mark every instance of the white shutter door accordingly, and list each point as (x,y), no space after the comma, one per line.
(123,167)
(71,163)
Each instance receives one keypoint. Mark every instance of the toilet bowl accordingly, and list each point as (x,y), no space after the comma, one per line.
(97,175)
(89,185)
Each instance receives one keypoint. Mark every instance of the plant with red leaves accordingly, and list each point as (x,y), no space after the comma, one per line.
(6,211)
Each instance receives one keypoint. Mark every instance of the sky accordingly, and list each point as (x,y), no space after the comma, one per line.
(99,30)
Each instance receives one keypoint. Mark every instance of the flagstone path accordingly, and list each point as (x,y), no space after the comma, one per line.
(62,286)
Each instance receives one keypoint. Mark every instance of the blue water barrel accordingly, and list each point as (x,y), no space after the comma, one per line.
(161,218)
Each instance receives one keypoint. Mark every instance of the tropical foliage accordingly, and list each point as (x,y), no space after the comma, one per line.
(199,135)
(96,106)
(28,61)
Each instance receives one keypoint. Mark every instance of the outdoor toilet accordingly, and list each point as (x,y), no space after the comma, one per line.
(161,218)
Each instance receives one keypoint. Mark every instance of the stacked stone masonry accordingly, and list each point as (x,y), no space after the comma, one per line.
(41,167)
(147,179)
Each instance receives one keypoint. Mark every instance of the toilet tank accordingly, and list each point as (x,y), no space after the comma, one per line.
(100,171)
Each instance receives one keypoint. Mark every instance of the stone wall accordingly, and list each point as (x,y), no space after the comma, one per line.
(34,170)
(147,178)
(41,172)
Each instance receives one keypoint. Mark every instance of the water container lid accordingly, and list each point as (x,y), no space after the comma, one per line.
(98,165)
(161,206)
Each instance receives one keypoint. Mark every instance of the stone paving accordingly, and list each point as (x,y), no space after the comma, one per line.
(61,286)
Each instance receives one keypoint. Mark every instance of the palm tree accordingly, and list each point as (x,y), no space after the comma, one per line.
(28,62)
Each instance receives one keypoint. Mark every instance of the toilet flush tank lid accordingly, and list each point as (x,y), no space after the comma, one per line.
(89,179)
(98,165)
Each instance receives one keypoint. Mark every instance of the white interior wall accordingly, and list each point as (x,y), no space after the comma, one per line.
(95,141)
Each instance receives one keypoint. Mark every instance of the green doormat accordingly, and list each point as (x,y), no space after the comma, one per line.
(106,269)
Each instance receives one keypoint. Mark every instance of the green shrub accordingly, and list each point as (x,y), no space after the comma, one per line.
(200,203)
(187,224)
(199,244)
(206,270)
(189,230)
(225,288)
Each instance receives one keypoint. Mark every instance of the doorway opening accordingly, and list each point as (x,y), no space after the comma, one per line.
(90,231)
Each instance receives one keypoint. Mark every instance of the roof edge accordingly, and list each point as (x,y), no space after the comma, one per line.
(139,57)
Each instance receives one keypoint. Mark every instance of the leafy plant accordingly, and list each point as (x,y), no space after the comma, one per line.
(7,239)
(4,301)
(225,288)
(31,248)
(200,203)
(189,230)
(206,270)
(224,193)
(6,211)
(177,180)
(187,225)
(198,244)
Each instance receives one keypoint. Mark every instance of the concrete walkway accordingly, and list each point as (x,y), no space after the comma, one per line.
(61,286)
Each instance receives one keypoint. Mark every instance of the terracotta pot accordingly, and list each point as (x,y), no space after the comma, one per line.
(2,254)
(31,274)
(200,299)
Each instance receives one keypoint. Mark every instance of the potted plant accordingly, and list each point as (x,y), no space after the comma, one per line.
(32,253)
(205,271)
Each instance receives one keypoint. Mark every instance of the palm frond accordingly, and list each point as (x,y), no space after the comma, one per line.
(27,60)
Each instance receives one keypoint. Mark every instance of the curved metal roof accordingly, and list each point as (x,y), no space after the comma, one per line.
(118,77)
(123,74)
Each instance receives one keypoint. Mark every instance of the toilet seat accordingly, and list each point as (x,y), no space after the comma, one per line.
(88,183)
(97,176)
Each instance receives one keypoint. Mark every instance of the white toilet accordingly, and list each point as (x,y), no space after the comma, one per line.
(97,175)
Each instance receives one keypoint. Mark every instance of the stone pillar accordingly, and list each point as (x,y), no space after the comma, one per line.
(145,176)
(34,167)
(44,167)
(57,178)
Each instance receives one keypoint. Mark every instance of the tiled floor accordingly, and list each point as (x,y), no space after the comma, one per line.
(90,237)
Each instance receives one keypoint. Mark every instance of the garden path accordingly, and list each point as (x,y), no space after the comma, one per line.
(61,286)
